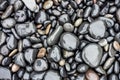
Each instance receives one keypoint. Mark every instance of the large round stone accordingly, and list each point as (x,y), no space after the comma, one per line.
(92,54)
(69,41)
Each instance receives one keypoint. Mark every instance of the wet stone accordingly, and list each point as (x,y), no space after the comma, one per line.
(97,29)
(40,65)
(92,50)
(5,73)
(66,39)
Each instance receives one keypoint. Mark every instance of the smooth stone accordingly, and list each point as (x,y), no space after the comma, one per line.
(30,55)
(111,51)
(102,42)
(92,50)
(97,29)
(116,46)
(3,5)
(41,52)
(80,77)
(53,75)
(29,68)
(82,68)
(118,15)
(26,76)
(112,9)
(1,58)
(26,43)
(6,61)
(55,54)
(41,17)
(20,16)
(31,4)
(54,65)
(62,62)
(15,68)
(19,59)
(91,75)
(20,72)
(103,78)
(54,36)
(113,77)
(83,28)
(117,37)
(8,23)
(87,12)
(68,27)
(67,54)
(108,63)
(64,18)
(37,76)
(18,5)
(63,72)
(67,66)
(5,73)
(78,22)
(12,42)
(78,57)
(110,70)
(25,29)
(109,22)
(100,70)
(116,67)
(69,41)
(4,50)
(48,4)
(15,77)
(2,37)
(40,65)
(95,10)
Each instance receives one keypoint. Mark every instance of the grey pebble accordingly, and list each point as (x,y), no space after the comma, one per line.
(110,70)
(30,55)
(37,75)
(5,73)
(40,65)
(26,76)
(8,23)
(54,36)
(118,15)
(69,41)
(64,18)
(103,78)
(26,43)
(97,29)
(19,60)
(4,50)
(87,12)
(116,67)
(113,77)
(100,70)
(80,77)
(92,50)
(95,10)
(6,61)
(55,54)
(68,27)
(83,28)
(18,5)
(25,29)
(2,37)
(112,51)
(82,68)
(53,75)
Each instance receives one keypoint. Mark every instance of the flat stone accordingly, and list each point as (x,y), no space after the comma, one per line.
(25,29)
(97,29)
(69,41)
(53,75)
(5,73)
(40,65)
(92,54)
(2,37)
(8,23)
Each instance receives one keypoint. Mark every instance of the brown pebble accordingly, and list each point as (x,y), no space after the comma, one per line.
(41,53)
(91,75)
(116,45)
(41,32)
(13,52)
(15,68)
(48,29)
(94,1)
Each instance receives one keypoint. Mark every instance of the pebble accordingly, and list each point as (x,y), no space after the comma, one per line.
(31,4)
(1,58)
(91,75)
(118,15)
(103,78)
(18,5)
(108,63)
(25,29)
(30,55)
(111,51)
(15,68)
(83,28)
(54,36)
(95,10)
(92,50)
(8,23)
(113,77)
(5,73)
(26,43)
(117,37)
(87,12)
(68,27)
(116,45)
(100,70)
(41,52)
(78,22)
(106,47)
(116,67)
(53,75)
(40,65)
(55,54)
(3,5)
(69,41)
(62,62)
(19,60)
(64,18)
(26,76)
(40,17)
(67,54)
(6,61)
(80,77)
(48,4)
(103,42)
(82,68)
(2,37)
(20,16)
(37,75)
(4,50)
(110,70)
(97,29)
(12,42)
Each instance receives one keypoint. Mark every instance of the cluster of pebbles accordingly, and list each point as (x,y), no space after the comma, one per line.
(60,39)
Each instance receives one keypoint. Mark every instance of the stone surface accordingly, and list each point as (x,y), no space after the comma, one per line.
(2,37)
(5,73)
